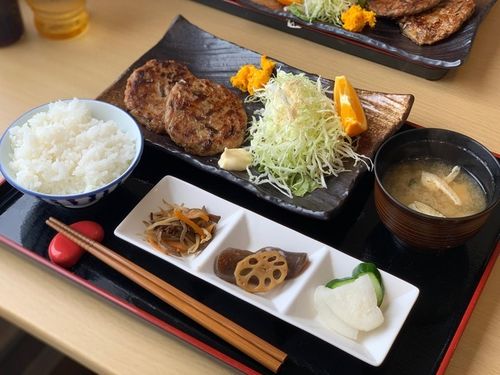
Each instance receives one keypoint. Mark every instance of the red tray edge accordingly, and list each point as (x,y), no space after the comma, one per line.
(468,312)
(221,356)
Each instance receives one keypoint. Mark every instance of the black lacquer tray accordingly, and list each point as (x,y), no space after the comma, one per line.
(384,44)
(449,282)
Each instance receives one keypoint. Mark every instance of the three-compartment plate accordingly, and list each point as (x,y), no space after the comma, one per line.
(293,300)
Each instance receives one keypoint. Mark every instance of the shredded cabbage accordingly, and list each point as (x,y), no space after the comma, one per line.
(322,10)
(297,139)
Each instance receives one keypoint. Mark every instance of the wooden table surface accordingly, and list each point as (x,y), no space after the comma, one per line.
(36,70)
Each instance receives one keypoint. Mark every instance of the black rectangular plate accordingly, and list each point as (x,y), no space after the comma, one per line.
(446,281)
(384,44)
(213,58)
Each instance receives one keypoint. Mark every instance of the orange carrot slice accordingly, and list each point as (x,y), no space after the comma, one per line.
(179,215)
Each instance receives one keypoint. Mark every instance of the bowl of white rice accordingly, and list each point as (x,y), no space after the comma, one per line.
(70,152)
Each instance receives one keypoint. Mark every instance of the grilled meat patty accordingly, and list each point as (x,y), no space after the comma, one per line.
(438,23)
(148,88)
(203,117)
(400,8)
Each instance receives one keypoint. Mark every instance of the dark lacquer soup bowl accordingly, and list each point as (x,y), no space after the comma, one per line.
(420,230)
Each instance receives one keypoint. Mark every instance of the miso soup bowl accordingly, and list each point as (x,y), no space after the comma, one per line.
(423,231)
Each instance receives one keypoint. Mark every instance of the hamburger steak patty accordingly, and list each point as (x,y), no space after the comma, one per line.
(400,8)
(204,117)
(438,23)
(148,88)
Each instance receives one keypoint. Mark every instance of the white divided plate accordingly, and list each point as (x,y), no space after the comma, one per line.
(292,301)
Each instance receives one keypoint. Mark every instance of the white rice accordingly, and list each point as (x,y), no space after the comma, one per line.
(66,151)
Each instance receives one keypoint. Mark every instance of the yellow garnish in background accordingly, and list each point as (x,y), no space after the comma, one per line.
(250,78)
(356,18)
(349,107)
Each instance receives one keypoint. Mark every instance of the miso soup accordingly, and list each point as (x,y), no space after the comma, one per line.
(428,186)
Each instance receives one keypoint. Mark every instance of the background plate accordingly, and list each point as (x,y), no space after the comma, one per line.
(210,57)
(384,44)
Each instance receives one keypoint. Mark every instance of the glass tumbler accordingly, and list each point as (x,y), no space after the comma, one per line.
(60,19)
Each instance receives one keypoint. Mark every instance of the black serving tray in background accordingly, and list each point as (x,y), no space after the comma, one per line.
(384,44)
(447,281)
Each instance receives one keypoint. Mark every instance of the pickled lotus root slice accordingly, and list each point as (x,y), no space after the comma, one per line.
(261,272)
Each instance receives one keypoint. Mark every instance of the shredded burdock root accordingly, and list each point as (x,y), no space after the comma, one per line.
(180,231)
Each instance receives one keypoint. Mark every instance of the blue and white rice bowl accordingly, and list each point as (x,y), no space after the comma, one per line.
(100,111)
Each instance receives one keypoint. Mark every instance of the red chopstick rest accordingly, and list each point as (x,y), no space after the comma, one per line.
(66,253)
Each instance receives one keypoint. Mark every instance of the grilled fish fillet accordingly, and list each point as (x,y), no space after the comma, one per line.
(148,88)
(400,8)
(438,23)
(204,117)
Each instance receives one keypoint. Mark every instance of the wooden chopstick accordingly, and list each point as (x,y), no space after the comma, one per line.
(250,344)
